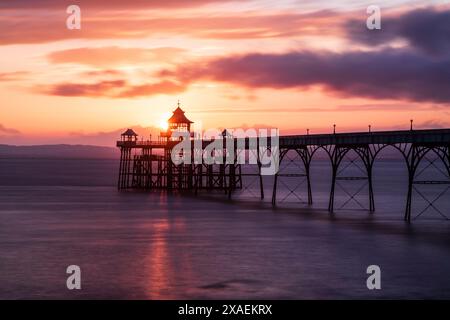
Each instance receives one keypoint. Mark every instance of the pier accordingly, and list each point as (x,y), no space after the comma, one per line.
(148,165)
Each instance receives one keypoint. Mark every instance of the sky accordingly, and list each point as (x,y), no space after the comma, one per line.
(290,64)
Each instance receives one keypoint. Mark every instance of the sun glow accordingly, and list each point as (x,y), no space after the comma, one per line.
(163,125)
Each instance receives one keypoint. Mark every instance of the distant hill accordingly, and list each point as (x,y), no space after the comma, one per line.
(59,151)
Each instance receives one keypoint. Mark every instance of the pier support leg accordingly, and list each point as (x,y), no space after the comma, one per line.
(407,216)
(335,157)
(306,153)
(371,196)
(414,156)
(412,163)
(261,185)
(364,153)
(368,159)
(333,186)
(274,191)
(232,180)
(308,181)
(119,182)
(124,168)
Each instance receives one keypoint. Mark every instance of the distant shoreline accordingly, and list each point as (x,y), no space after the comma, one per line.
(55,158)
(58,151)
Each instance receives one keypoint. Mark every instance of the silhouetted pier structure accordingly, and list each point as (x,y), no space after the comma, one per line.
(148,164)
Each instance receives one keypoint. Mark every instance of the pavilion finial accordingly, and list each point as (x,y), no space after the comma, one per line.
(178,103)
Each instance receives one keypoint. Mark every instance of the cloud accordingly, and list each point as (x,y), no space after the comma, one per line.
(102,73)
(34,27)
(163,87)
(111,89)
(12,76)
(424,29)
(386,74)
(8,131)
(339,108)
(113,55)
(98,89)
(433,123)
(105,5)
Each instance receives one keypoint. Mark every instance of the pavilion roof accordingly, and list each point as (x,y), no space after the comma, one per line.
(129,133)
(179,117)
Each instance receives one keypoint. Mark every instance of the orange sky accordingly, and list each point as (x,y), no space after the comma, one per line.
(287,64)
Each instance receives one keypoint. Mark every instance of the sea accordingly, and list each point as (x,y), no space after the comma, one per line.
(55,213)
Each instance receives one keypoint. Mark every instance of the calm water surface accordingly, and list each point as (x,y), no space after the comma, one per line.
(54,213)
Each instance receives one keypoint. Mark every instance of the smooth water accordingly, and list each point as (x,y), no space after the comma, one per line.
(56,213)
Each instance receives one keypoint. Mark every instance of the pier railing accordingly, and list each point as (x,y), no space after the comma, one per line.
(378,137)
(138,144)
(440,136)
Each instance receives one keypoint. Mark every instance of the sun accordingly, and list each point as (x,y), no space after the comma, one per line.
(163,125)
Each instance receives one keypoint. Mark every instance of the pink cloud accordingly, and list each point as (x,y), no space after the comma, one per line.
(110,56)
(111,89)
(105,5)
(8,131)
(34,28)
(13,76)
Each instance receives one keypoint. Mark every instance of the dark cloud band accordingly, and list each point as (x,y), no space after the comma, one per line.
(424,29)
(386,74)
